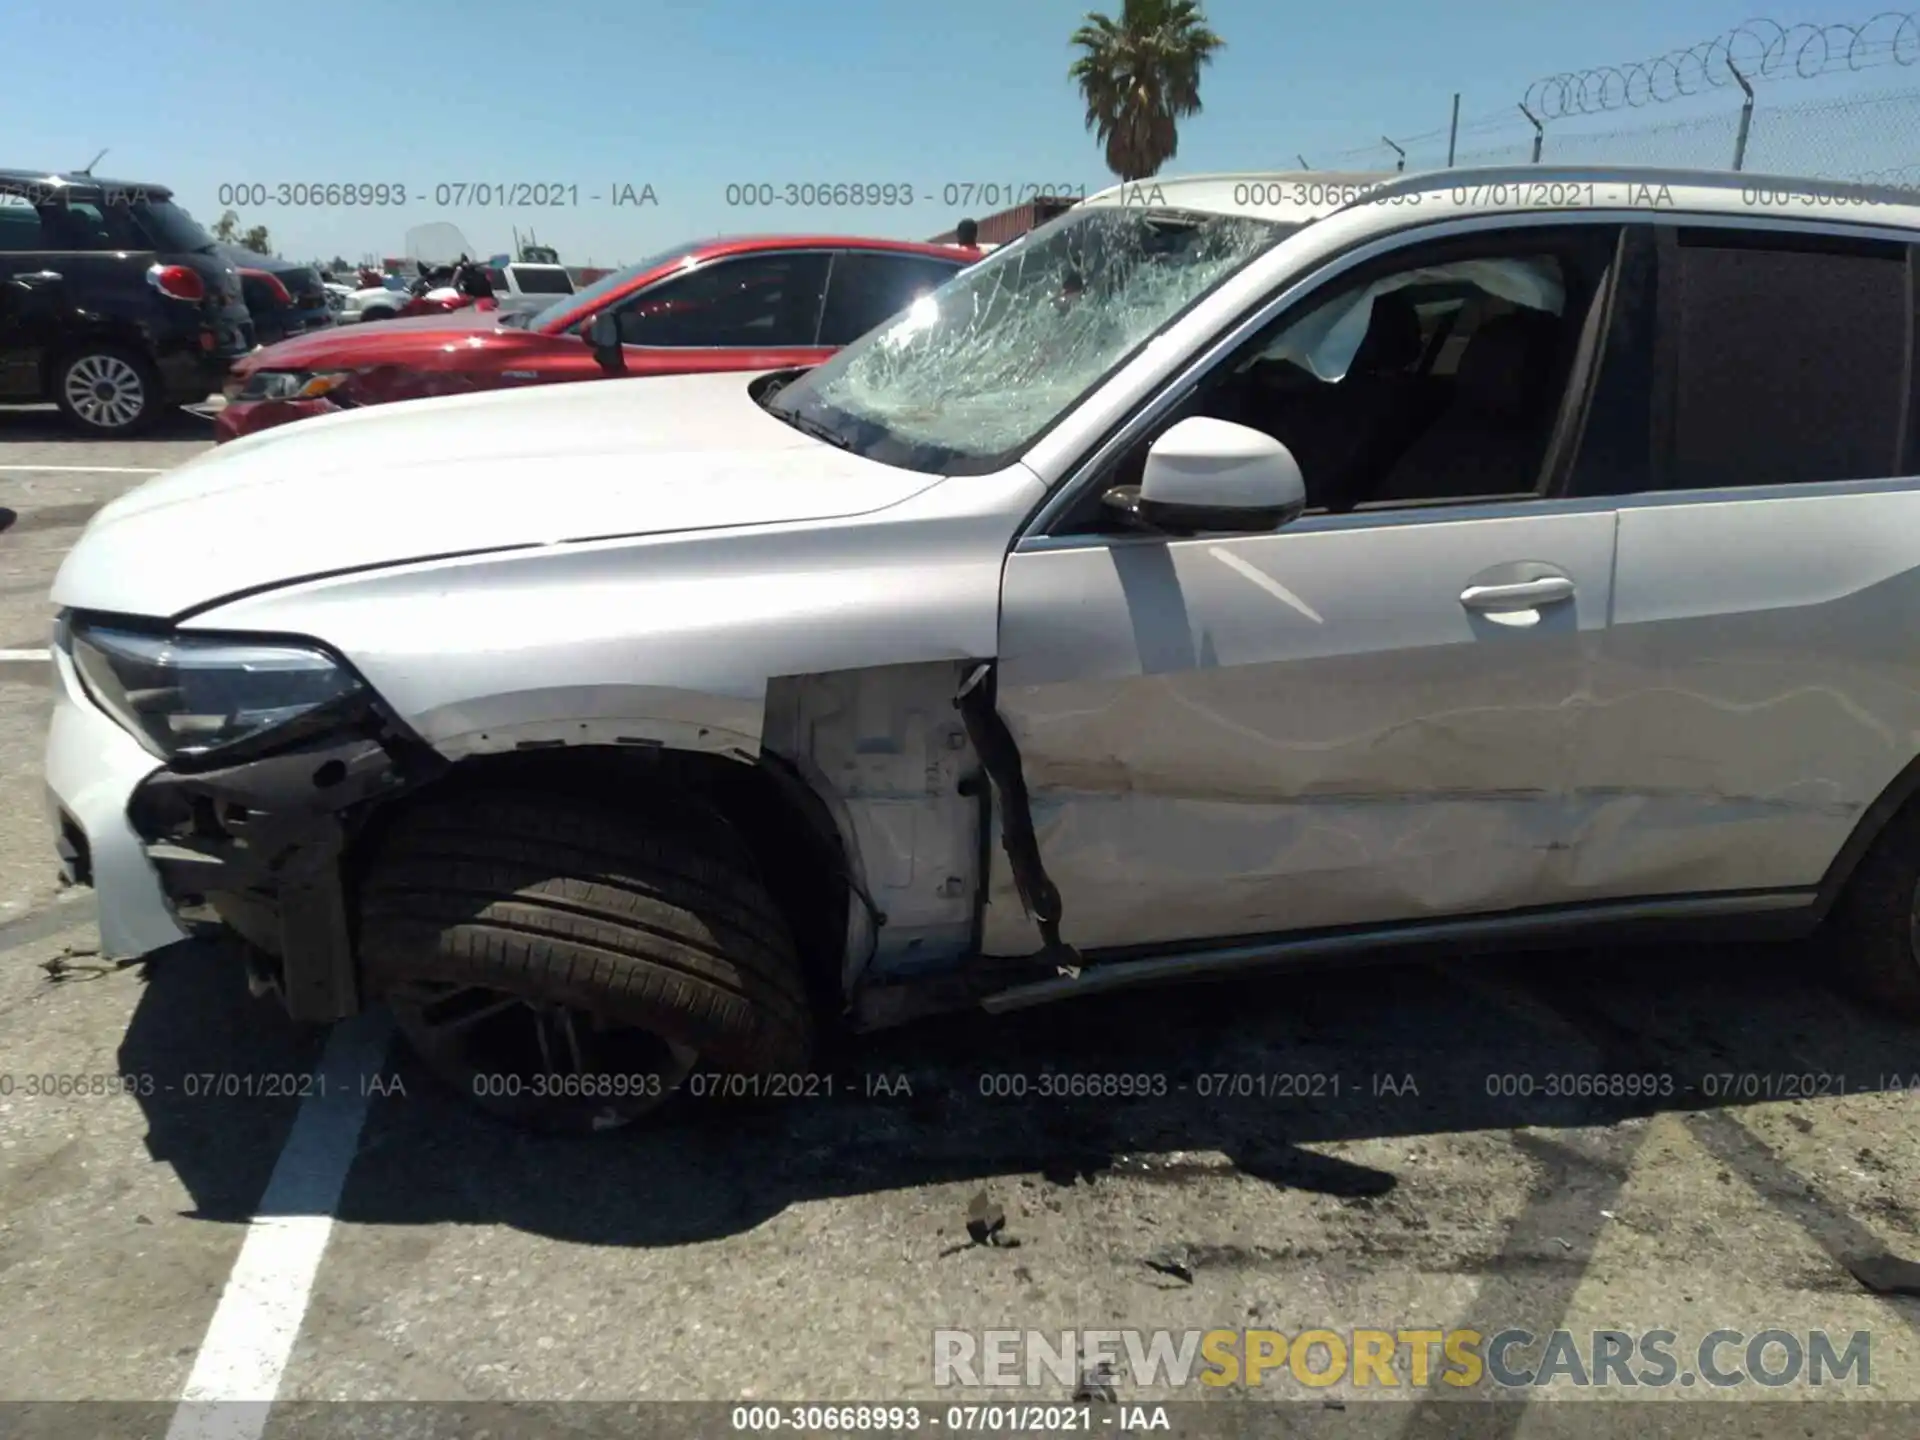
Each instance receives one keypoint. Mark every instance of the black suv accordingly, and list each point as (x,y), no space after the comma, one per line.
(285,298)
(114,303)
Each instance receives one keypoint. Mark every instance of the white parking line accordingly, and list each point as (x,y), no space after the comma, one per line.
(25,656)
(80,470)
(236,1375)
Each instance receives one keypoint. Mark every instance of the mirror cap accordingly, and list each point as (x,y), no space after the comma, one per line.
(1203,465)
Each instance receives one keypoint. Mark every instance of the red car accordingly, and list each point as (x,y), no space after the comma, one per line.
(761,302)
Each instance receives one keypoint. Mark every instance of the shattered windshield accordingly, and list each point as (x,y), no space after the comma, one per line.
(969,376)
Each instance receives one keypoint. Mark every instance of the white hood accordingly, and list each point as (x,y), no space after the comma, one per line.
(428,478)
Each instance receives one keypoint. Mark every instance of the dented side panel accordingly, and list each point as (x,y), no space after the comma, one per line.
(1758,689)
(1263,733)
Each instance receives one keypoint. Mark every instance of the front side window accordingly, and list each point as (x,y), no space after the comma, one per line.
(1434,376)
(968,377)
(1434,382)
(767,301)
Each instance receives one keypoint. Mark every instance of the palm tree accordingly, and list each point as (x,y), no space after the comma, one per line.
(1141,75)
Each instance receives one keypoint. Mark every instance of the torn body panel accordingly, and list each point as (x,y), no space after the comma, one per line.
(837,647)
(898,773)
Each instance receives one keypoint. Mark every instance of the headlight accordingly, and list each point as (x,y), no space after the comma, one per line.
(188,695)
(292,384)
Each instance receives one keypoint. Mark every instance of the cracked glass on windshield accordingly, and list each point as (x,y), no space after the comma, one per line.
(969,376)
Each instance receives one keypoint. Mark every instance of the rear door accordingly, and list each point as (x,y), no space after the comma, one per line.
(866,288)
(1759,687)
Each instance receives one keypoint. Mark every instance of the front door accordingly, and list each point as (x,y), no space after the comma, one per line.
(1369,715)
(759,311)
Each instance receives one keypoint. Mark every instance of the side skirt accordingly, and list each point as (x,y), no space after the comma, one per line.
(1772,915)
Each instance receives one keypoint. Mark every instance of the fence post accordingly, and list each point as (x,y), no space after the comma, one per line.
(1746,117)
(1539,131)
(1402,164)
(1453,130)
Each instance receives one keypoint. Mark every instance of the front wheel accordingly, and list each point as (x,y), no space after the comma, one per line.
(565,964)
(107,391)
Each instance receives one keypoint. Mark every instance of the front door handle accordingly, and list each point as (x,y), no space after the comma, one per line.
(1521,595)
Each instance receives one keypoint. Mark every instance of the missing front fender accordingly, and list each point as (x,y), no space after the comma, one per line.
(1000,756)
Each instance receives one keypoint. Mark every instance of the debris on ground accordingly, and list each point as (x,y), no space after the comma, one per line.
(986,1225)
(1886,1274)
(1095,1384)
(986,1218)
(62,966)
(1174,1262)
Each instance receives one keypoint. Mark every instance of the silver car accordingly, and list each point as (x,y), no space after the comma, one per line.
(1241,569)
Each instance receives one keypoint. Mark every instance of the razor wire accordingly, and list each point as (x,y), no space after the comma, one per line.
(1756,50)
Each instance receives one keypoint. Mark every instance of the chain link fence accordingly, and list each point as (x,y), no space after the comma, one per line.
(1874,138)
(1610,114)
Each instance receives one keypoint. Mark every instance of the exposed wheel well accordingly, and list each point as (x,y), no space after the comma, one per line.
(1900,792)
(786,826)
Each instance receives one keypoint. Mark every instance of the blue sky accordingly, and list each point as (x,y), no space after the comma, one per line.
(688,96)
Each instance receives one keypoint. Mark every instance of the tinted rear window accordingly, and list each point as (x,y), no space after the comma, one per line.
(543,282)
(168,227)
(1792,362)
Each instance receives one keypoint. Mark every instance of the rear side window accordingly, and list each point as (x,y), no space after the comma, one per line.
(1786,361)
(867,289)
(19,226)
(543,282)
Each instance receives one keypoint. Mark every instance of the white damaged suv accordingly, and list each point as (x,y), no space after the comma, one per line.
(1239,570)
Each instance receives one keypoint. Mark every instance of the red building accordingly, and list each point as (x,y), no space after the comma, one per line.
(1005,225)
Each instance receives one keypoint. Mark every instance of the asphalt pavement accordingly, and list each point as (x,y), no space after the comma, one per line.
(1691,1140)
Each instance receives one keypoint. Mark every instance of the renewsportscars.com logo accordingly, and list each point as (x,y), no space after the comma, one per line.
(1402,1358)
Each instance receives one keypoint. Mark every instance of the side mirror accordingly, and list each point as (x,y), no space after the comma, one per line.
(603,334)
(1208,474)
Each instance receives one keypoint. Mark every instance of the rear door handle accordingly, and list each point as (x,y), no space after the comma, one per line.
(1521,595)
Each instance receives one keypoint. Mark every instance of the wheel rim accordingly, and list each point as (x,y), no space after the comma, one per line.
(505,1047)
(106,391)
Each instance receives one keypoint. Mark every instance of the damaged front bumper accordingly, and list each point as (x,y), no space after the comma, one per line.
(264,844)
(260,840)
(241,418)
